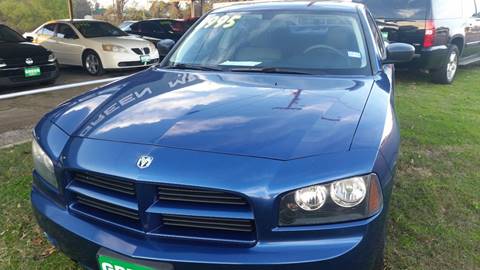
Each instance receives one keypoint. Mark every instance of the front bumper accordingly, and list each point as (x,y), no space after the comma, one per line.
(14,77)
(112,60)
(354,245)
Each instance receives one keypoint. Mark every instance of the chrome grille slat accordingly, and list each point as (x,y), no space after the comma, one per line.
(106,183)
(238,225)
(198,196)
(106,207)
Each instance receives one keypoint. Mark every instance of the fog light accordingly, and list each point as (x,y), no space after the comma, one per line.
(311,198)
(51,58)
(348,193)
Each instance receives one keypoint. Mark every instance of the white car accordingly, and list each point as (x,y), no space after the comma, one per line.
(95,45)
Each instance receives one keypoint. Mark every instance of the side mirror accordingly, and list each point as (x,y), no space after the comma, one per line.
(164,46)
(399,53)
(29,38)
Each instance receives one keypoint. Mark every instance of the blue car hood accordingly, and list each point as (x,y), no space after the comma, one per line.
(269,116)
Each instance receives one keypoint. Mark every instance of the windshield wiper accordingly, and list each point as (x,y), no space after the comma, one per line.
(271,70)
(192,67)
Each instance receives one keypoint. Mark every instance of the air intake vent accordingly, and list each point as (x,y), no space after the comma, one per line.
(238,225)
(107,207)
(124,187)
(137,51)
(180,194)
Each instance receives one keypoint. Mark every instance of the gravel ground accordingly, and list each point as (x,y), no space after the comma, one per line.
(14,137)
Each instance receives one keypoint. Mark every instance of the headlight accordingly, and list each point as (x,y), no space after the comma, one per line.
(348,193)
(311,198)
(2,63)
(340,201)
(51,58)
(114,48)
(43,164)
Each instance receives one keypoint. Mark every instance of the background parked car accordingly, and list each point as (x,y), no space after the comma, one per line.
(445,33)
(23,63)
(95,45)
(157,29)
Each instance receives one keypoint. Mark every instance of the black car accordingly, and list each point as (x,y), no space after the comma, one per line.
(157,29)
(445,33)
(24,63)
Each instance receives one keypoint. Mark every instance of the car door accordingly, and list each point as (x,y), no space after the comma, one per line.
(472,36)
(472,29)
(68,45)
(45,36)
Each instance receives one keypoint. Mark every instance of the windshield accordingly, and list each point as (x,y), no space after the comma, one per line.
(308,42)
(397,9)
(8,35)
(98,29)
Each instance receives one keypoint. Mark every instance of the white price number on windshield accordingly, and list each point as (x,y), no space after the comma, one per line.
(225,21)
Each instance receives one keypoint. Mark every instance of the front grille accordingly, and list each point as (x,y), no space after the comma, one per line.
(161,210)
(180,194)
(107,207)
(108,183)
(237,225)
(141,51)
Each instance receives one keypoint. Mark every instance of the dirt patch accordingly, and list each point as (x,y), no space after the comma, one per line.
(13,137)
(24,112)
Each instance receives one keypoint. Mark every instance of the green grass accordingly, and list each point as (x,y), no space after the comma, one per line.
(435,210)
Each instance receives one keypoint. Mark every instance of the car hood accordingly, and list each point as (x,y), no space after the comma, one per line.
(269,116)
(125,41)
(21,50)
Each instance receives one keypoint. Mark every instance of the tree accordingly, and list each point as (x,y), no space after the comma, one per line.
(81,8)
(174,11)
(119,7)
(159,9)
(26,15)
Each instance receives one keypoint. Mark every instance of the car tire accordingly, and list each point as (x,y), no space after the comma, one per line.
(92,63)
(380,262)
(446,73)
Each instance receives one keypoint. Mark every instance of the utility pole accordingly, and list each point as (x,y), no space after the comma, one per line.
(70,9)
(192,8)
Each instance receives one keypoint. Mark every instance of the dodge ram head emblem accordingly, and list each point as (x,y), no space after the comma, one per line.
(144,162)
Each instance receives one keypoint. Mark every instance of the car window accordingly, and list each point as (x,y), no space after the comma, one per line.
(126,26)
(315,42)
(93,29)
(150,27)
(398,9)
(469,9)
(66,32)
(446,9)
(48,30)
(376,33)
(167,25)
(478,8)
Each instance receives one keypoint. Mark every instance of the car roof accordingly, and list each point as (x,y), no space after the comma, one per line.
(344,6)
(75,20)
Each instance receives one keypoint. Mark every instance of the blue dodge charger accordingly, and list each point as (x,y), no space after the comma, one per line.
(266,139)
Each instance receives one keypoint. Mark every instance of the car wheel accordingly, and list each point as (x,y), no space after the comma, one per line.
(92,64)
(446,74)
